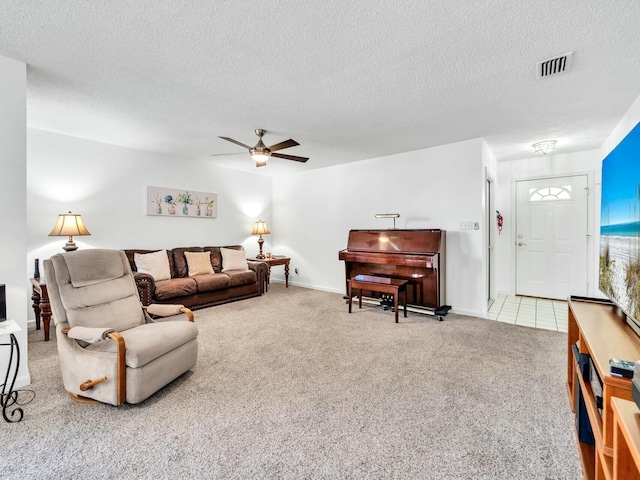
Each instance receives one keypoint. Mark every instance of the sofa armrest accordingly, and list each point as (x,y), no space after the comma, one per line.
(262,270)
(146,287)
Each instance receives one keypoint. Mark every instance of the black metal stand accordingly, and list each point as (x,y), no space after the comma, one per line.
(9,397)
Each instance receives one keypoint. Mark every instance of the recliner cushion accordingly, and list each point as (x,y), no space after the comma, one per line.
(113,303)
(150,341)
(92,267)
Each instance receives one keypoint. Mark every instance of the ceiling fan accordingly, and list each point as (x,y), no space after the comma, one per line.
(261,153)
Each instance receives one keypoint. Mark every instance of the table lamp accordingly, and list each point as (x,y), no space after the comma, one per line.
(69,224)
(260,228)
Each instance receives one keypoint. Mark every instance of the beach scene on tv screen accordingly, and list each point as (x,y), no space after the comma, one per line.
(620,225)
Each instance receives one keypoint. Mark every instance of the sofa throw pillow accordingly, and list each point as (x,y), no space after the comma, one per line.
(155,264)
(198,263)
(233,259)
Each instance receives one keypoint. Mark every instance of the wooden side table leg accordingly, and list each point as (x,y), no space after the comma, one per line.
(36,306)
(268,279)
(360,299)
(45,306)
(349,294)
(286,274)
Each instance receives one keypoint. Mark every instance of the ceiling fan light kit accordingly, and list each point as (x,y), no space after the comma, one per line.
(261,153)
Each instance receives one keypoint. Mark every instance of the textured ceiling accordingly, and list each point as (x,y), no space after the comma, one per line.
(347,80)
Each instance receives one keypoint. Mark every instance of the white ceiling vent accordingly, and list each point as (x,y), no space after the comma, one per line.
(554,66)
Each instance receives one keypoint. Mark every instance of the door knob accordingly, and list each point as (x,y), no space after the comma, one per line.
(520,244)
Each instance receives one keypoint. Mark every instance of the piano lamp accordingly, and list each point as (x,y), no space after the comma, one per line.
(260,228)
(69,224)
(389,215)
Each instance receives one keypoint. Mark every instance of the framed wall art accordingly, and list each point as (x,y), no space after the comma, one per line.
(162,201)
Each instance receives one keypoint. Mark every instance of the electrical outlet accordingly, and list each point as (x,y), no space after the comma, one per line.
(466,225)
(476,225)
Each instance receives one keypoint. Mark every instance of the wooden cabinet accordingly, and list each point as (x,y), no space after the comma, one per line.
(626,440)
(601,334)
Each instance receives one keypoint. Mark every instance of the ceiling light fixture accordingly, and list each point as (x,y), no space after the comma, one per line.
(260,153)
(545,146)
(260,157)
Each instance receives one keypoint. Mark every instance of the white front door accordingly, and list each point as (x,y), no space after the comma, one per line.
(551,237)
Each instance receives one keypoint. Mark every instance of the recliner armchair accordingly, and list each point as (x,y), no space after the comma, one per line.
(110,348)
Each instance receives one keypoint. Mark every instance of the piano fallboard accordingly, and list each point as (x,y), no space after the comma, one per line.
(423,261)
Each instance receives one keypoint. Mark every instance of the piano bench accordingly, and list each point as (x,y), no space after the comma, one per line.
(415,282)
(383,285)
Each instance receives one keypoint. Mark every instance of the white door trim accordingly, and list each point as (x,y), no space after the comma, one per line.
(592,274)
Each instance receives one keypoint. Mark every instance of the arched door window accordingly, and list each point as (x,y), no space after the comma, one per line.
(546,194)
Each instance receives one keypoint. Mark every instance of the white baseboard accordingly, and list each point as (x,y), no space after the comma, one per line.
(468,313)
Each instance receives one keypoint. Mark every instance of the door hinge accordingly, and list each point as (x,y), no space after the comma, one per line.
(588,238)
(586,189)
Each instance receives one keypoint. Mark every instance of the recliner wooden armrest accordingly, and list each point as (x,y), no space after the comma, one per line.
(167,310)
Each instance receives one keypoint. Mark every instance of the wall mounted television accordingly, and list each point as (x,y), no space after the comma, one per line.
(619,272)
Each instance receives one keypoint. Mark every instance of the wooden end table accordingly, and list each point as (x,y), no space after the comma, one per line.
(385,285)
(273,262)
(41,305)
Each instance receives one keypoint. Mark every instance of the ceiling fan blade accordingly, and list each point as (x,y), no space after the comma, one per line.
(226,154)
(282,145)
(236,142)
(290,157)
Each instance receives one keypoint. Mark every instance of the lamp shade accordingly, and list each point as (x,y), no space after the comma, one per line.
(69,224)
(260,228)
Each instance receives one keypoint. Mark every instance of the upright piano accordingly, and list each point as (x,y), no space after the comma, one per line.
(417,256)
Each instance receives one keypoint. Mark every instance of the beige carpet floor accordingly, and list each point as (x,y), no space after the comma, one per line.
(289,385)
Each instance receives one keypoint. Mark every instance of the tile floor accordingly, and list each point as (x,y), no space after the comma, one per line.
(530,312)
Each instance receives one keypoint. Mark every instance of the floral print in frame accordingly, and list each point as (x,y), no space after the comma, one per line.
(181,203)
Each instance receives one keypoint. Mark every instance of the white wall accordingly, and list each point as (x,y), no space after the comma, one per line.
(107,185)
(432,188)
(536,167)
(13,249)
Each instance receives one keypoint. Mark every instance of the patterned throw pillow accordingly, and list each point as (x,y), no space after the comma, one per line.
(198,263)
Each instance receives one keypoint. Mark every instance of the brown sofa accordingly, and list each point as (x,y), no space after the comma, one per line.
(201,290)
